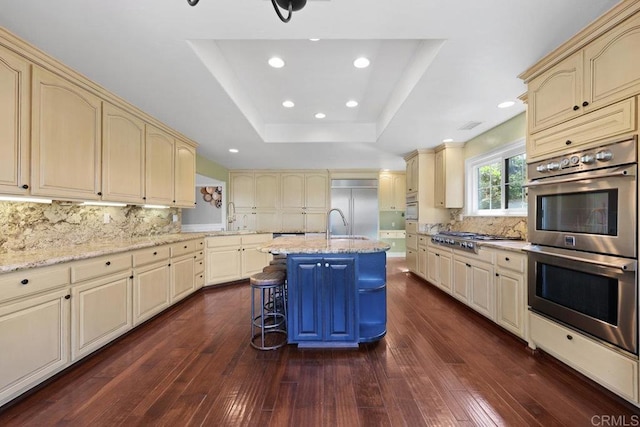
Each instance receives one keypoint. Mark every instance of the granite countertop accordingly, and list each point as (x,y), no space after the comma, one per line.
(320,245)
(506,245)
(14,261)
(223,233)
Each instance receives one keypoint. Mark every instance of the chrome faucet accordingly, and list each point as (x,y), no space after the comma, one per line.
(344,221)
(231,218)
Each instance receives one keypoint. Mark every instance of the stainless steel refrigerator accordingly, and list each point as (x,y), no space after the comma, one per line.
(358,199)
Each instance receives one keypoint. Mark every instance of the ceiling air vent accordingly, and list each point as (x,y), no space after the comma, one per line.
(469,125)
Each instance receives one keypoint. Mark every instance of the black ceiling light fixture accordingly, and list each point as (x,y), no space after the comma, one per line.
(290,5)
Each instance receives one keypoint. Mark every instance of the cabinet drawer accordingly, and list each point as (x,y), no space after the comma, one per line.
(605,366)
(199,255)
(150,255)
(199,266)
(411,227)
(199,280)
(99,267)
(511,261)
(183,248)
(588,130)
(219,242)
(26,282)
(412,241)
(423,240)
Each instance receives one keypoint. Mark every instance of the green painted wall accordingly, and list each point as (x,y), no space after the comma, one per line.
(509,131)
(211,169)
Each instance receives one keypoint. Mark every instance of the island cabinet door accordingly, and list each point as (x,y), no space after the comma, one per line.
(305,299)
(339,293)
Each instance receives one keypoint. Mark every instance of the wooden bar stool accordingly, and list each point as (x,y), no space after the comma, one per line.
(279,256)
(269,314)
(275,267)
(278,261)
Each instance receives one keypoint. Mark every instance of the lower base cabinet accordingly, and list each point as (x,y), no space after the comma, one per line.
(439,267)
(34,338)
(231,258)
(150,291)
(182,277)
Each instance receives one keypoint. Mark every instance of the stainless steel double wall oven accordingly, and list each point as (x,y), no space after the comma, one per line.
(583,229)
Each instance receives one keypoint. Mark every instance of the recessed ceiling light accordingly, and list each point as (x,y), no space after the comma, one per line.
(352,104)
(314,40)
(447,140)
(361,62)
(276,62)
(320,115)
(506,104)
(233,150)
(288,104)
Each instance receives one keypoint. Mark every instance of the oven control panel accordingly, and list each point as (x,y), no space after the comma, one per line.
(614,154)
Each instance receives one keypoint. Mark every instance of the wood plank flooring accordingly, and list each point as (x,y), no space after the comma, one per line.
(439,364)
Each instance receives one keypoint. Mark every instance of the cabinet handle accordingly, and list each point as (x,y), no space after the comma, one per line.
(585,103)
(319,265)
(497,275)
(569,337)
(185,247)
(99,193)
(67,297)
(131,277)
(25,186)
(326,264)
(144,198)
(437,254)
(468,265)
(108,262)
(506,258)
(194,257)
(169,265)
(568,142)
(576,108)
(155,253)
(174,201)
(24,281)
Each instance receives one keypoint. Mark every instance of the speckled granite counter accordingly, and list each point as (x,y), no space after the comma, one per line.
(320,245)
(505,245)
(20,260)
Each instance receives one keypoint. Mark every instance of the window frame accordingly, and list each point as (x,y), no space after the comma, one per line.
(472,164)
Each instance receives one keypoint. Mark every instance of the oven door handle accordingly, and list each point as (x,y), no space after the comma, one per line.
(626,265)
(619,173)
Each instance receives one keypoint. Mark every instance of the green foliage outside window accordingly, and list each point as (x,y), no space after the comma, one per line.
(490,184)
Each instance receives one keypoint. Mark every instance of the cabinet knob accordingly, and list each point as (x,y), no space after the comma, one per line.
(169,265)
(576,108)
(99,193)
(497,275)
(326,264)
(67,297)
(130,277)
(185,247)
(194,257)
(174,201)
(506,258)
(568,142)
(25,186)
(569,337)
(144,198)
(585,103)
(319,265)
(108,263)
(24,281)
(155,253)
(468,265)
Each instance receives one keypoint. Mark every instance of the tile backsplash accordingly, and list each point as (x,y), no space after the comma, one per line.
(507,226)
(26,226)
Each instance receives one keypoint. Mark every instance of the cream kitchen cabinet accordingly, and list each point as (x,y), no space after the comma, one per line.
(449,176)
(412,175)
(421,169)
(439,267)
(422,255)
(151,284)
(411,240)
(14,126)
(473,281)
(123,156)
(100,311)
(231,258)
(185,175)
(605,71)
(511,273)
(392,191)
(183,257)
(66,139)
(159,162)
(256,196)
(305,200)
(199,265)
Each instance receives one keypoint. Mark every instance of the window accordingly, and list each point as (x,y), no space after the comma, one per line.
(494,182)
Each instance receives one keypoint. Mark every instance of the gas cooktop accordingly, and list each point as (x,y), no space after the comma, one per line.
(465,240)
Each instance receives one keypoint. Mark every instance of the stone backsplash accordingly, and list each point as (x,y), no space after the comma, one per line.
(26,226)
(507,226)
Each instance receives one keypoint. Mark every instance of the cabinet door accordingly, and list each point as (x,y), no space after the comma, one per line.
(612,65)
(305,299)
(223,265)
(316,191)
(242,189)
(253,261)
(433,267)
(412,260)
(185,182)
(100,312)
(461,278)
(123,156)
(422,262)
(34,338)
(293,221)
(399,195)
(150,291)
(339,290)
(482,290)
(385,192)
(446,267)
(556,95)
(315,222)
(292,190)
(14,127)
(182,277)
(412,175)
(159,167)
(510,304)
(66,139)
(439,181)
(267,190)
(266,220)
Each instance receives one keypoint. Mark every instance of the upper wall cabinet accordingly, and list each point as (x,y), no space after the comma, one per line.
(412,177)
(159,167)
(14,126)
(255,190)
(449,179)
(185,170)
(66,139)
(392,191)
(123,156)
(607,70)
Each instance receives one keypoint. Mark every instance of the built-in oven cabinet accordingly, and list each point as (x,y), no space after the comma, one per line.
(605,71)
(589,130)
(613,370)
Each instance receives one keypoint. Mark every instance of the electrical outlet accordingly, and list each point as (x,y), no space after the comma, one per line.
(175,218)
(107,218)
(393,224)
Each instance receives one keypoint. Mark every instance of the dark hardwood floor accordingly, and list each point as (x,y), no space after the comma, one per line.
(440,364)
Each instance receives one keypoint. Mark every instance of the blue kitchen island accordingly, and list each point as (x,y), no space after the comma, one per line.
(337,290)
